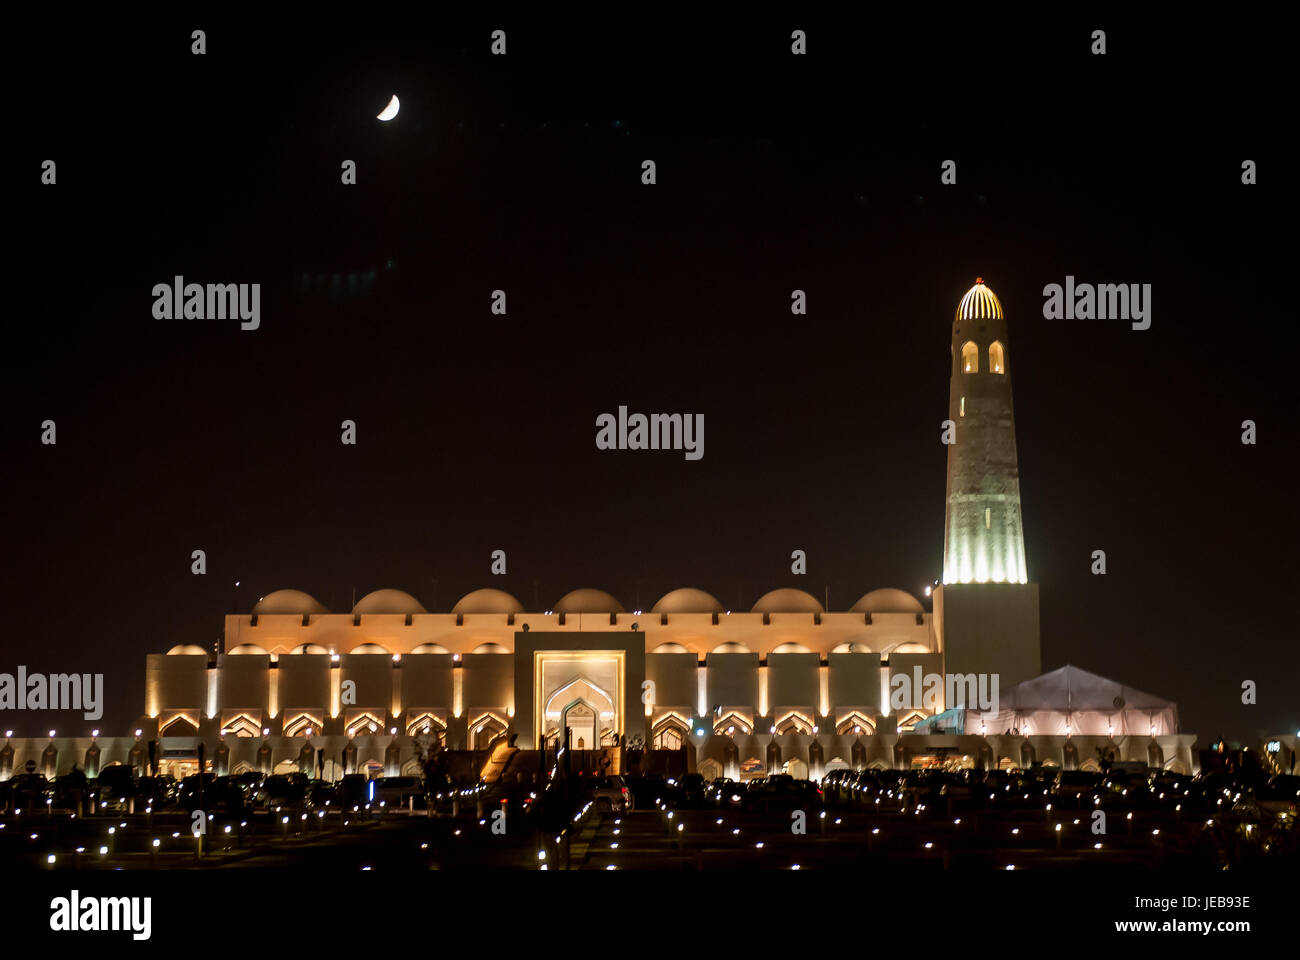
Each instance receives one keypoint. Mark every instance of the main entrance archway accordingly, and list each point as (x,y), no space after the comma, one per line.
(581,720)
(584,706)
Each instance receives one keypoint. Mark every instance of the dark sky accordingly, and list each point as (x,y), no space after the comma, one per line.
(522,172)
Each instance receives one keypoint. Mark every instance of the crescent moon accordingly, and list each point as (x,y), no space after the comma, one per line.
(390,111)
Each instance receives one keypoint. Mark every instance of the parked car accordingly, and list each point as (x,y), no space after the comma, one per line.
(691,792)
(157,792)
(226,797)
(727,794)
(608,794)
(248,782)
(836,786)
(114,788)
(1075,783)
(649,789)
(320,794)
(282,791)
(350,792)
(393,791)
(189,791)
(28,790)
(781,793)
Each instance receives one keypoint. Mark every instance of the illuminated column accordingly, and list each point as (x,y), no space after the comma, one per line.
(214,674)
(336,686)
(983,536)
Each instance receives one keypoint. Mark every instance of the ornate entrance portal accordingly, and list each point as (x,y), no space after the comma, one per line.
(589,682)
(581,692)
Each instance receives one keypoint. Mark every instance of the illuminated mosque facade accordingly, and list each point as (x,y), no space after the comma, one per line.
(785,686)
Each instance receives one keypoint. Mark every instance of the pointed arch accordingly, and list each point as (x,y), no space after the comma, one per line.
(304,724)
(670,732)
(731,724)
(426,722)
(905,724)
(484,728)
(710,770)
(241,725)
(180,725)
(997,358)
(361,723)
(794,721)
(970,357)
(857,724)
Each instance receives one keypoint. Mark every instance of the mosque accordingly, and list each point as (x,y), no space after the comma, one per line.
(785,686)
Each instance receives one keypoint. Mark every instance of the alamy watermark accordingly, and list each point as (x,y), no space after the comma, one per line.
(925,691)
(179,300)
(57,691)
(1103,301)
(658,431)
(75,913)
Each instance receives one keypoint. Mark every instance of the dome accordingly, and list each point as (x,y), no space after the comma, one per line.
(730,648)
(186,649)
(431,648)
(887,600)
(247,649)
(670,648)
(687,600)
(787,600)
(979,303)
(368,648)
(852,647)
(587,601)
(790,648)
(489,648)
(911,648)
(488,601)
(309,648)
(387,601)
(288,601)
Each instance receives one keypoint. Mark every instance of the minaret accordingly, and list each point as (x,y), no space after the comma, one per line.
(983,538)
(986,611)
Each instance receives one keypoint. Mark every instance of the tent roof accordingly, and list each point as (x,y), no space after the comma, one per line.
(1070,688)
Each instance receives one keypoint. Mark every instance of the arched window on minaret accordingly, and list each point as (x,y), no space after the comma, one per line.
(997,358)
(970,357)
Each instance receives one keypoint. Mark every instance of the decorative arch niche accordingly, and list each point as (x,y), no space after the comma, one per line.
(997,358)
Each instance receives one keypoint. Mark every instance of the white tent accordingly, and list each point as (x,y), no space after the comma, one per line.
(1088,704)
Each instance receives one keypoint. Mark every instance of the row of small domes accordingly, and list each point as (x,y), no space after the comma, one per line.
(684,600)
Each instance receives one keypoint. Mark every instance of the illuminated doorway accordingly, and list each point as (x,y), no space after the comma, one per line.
(580,718)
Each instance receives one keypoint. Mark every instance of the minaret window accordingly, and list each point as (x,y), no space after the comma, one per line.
(963,407)
(970,357)
(988,518)
(997,358)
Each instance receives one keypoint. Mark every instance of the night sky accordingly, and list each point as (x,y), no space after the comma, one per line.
(775,172)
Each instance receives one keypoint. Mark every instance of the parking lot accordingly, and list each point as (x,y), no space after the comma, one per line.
(909,821)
